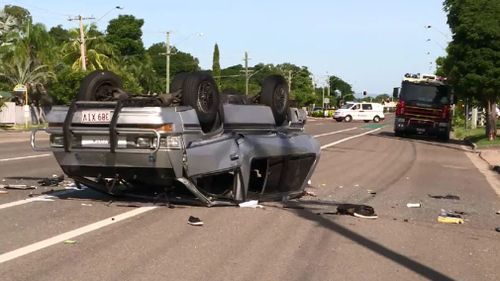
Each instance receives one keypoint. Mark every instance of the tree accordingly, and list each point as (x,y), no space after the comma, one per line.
(338,85)
(216,65)
(59,34)
(99,53)
(472,64)
(125,33)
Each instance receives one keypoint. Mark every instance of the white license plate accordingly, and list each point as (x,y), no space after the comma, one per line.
(420,130)
(101,141)
(96,116)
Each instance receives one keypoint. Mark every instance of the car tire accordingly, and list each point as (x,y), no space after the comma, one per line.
(101,85)
(338,119)
(275,95)
(348,118)
(199,91)
(376,119)
(178,82)
(366,121)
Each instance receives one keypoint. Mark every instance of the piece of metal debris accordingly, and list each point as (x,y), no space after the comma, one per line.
(372,192)
(447,196)
(450,217)
(4,192)
(357,210)
(69,241)
(19,186)
(53,181)
(195,221)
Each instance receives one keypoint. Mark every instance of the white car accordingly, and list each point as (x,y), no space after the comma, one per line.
(365,111)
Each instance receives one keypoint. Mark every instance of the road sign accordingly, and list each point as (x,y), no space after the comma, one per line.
(326,100)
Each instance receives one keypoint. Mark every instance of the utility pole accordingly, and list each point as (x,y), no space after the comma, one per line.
(82,39)
(289,81)
(167,55)
(247,75)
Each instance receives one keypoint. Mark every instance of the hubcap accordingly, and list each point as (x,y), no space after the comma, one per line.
(205,96)
(280,98)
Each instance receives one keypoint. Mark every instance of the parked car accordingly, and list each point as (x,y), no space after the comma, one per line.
(360,111)
(193,142)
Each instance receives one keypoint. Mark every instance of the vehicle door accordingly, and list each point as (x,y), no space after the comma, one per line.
(355,111)
(366,111)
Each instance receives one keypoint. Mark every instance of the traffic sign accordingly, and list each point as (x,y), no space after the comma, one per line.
(20,88)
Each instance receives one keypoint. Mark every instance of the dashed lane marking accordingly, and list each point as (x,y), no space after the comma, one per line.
(72,234)
(25,157)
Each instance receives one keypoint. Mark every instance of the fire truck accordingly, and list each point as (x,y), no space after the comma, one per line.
(424,106)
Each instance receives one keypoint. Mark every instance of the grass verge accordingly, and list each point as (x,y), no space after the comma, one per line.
(477,136)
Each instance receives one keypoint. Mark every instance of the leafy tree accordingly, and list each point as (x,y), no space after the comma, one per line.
(67,86)
(125,33)
(59,34)
(216,65)
(472,64)
(338,85)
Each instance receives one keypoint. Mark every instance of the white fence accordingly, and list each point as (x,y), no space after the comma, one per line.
(12,114)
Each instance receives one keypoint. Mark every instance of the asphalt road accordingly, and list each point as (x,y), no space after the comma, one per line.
(114,240)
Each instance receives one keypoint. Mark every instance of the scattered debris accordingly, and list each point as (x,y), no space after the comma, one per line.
(18,186)
(309,193)
(69,241)
(195,221)
(356,185)
(43,198)
(450,217)
(497,229)
(413,205)
(372,192)
(405,220)
(53,181)
(341,186)
(251,204)
(4,192)
(86,204)
(309,182)
(447,196)
(360,211)
(323,184)
(498,212)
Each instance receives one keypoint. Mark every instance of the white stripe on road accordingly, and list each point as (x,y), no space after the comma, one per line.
(71,234)
(334,132)
(349,138)
(34,199)
(25,157)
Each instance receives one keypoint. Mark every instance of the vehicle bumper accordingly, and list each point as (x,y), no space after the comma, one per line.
(420,127)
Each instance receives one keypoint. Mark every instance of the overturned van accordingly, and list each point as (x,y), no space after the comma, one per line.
(191,144)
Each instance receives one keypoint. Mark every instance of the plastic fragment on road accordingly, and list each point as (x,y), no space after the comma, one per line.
(309,193)
(4,192)
(86,204)
(195,221)
(451,220)
(69,241)
(414,205)
(372,192)
(52,181)
(309,182)
(250,204)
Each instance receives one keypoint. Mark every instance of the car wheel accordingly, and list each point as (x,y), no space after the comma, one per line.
(366,121)
(275,95)
(178,82)
(200,92)
(338,119)
(348,118)
(376,119)
(101,85)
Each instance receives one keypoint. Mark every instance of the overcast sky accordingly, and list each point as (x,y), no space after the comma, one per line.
(369,44)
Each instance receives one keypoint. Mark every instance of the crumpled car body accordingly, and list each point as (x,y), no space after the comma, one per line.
(142,150)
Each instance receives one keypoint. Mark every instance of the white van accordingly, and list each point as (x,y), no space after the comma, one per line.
(365,111)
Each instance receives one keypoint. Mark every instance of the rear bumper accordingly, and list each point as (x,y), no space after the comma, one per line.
(427,127)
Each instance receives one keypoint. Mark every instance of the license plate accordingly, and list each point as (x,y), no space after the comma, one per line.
(96,116)
(420,130)
(101,141)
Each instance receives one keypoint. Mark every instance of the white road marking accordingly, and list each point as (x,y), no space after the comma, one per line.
(334,132)
(34,199)
(348,138)
(25,157)
(72,234)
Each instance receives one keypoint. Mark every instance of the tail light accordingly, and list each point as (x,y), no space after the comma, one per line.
(400,108)
(445,114)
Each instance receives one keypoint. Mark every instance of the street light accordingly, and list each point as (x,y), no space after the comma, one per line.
(112,9)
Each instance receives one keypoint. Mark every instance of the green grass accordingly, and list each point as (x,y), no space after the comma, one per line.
(477,136)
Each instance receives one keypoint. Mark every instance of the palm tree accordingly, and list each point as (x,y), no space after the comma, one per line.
(99,53)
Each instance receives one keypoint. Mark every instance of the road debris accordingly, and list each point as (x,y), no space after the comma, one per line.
(69,241)
(52,181)
(195,221)
(414,205)
(86,204)
(250,204)
(356,185)
(43,198)
(498,212)
(360,211)
(4,192)
(309,193)
(450,217)
(447,196)
(372,192)
(18,186)
(497,229)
